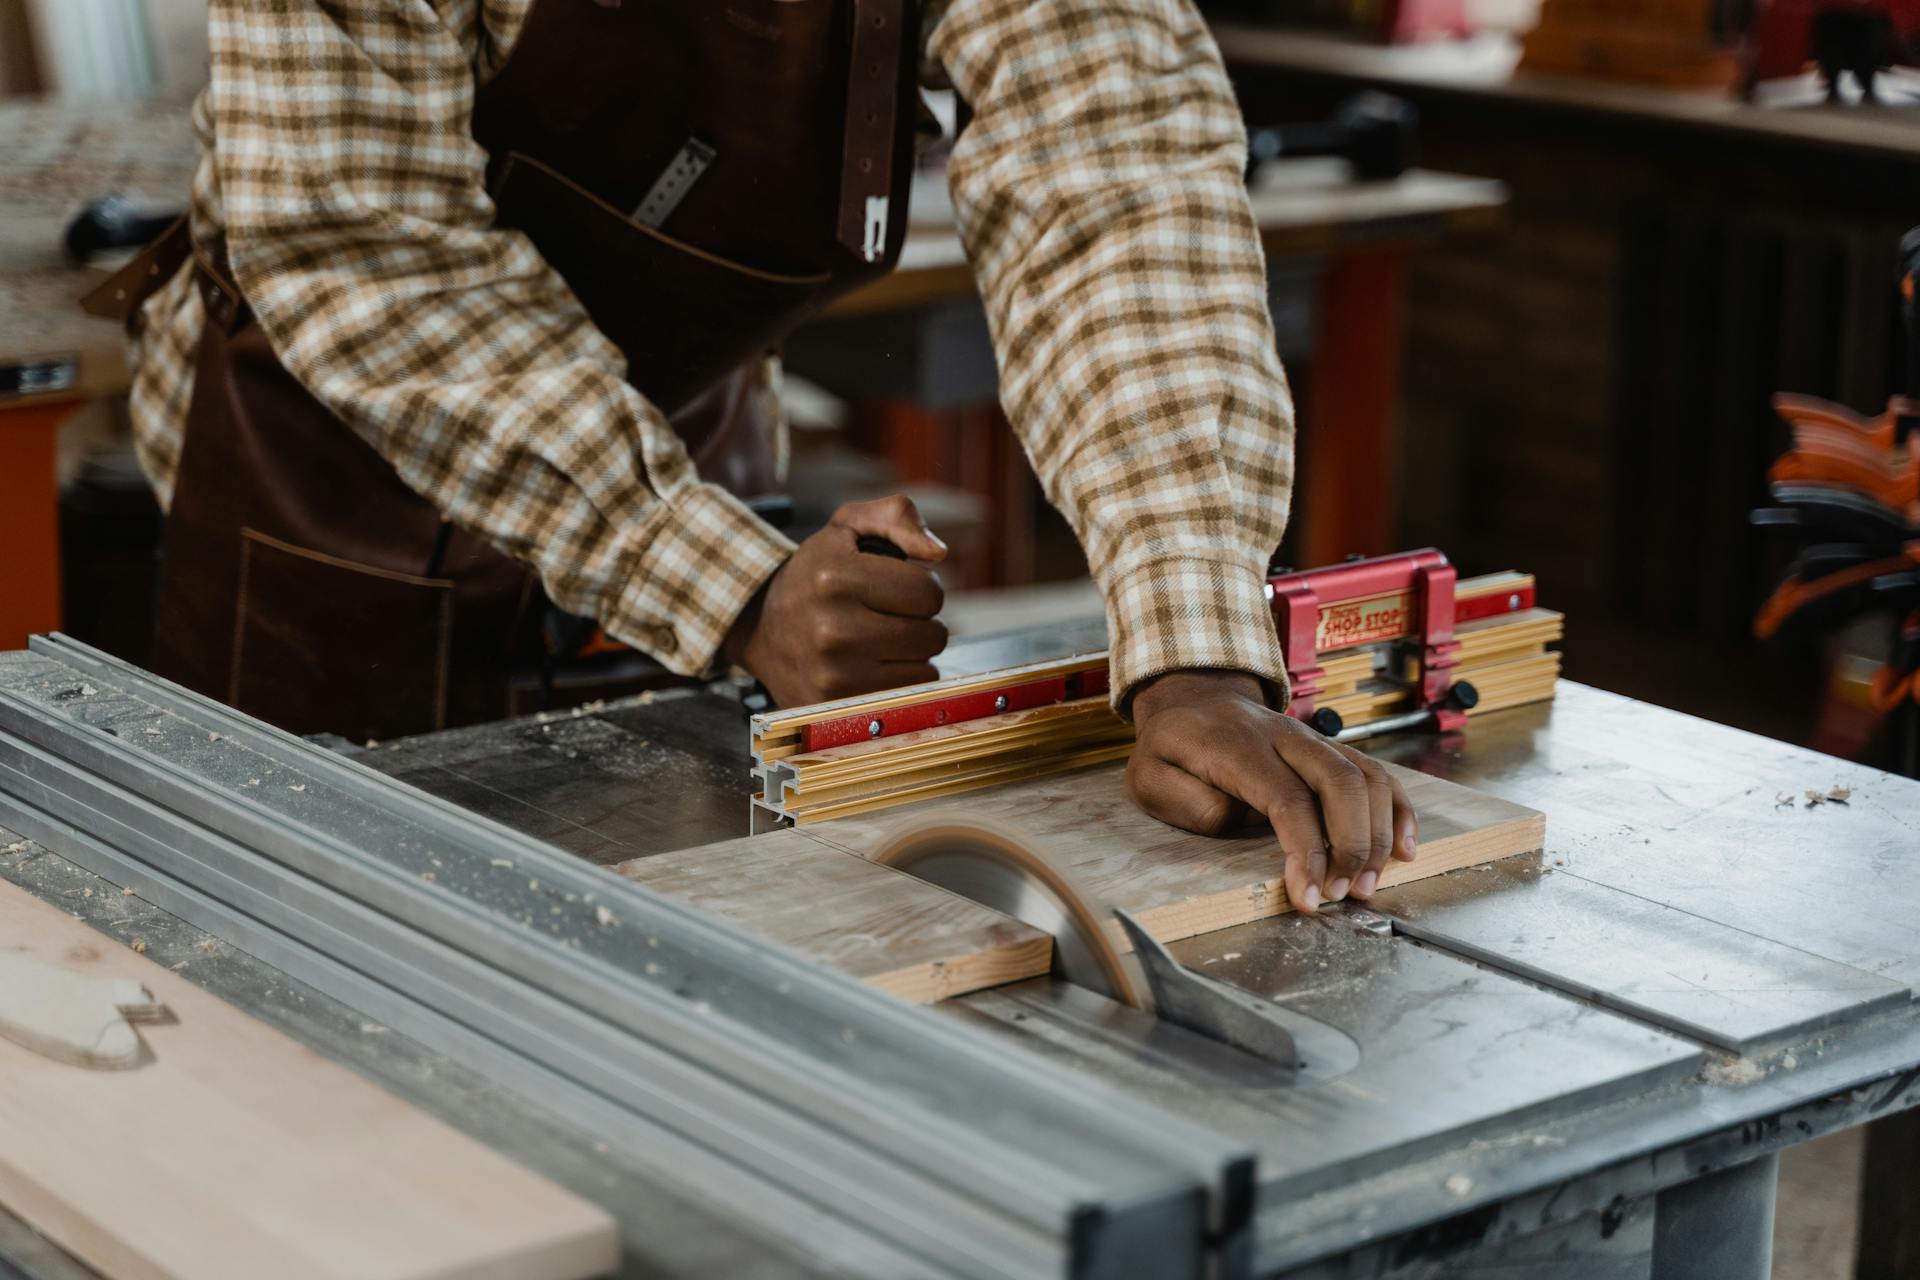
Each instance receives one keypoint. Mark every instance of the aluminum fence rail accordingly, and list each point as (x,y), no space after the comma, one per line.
(885,1139)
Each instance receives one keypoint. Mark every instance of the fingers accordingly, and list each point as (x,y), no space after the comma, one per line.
(1247,766)
(902,588)
(1380,814)
(1179,799)
(897,520)
(1338,815)
(827,679)
(1305,869)
(1345,805)
(848,631)
(1406,827)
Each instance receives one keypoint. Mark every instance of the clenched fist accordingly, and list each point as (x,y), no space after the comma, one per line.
(1211,755)
(833,621)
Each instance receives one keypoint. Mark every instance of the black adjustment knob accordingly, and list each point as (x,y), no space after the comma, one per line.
(1463,696)
(1327,721)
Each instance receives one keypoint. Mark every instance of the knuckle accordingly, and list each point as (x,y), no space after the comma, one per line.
(1348,782)
(831,634)
(841,682)
(1214,816)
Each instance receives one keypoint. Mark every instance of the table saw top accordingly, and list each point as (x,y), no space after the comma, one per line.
(1700,967)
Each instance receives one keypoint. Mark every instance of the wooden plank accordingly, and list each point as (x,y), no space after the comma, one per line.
(917,941)
(230,1151)
(1180,884)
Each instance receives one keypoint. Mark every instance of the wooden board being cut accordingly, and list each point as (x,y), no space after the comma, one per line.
(1176,883)
(230,1152)
(873,923)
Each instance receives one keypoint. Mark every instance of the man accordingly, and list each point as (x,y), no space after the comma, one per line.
(420,303)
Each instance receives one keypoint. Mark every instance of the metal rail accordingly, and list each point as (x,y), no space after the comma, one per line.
(894,1141)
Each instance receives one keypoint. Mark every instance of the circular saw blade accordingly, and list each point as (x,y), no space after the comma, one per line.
(996,870)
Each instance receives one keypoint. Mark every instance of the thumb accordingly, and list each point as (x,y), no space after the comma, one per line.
(898,521)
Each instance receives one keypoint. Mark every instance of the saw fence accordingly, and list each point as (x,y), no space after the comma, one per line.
(838,759)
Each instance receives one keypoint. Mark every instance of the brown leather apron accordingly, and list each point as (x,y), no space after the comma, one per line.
(704,174)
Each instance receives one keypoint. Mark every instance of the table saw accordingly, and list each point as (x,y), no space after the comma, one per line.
(1577,1063)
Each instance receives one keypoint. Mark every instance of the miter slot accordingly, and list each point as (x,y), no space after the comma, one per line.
(1658,963)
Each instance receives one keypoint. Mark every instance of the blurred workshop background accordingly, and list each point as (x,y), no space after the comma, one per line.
(1536,302)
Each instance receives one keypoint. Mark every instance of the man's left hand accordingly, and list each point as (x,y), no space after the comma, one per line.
(1211,754)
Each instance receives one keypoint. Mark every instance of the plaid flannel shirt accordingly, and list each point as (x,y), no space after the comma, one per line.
(1098,192)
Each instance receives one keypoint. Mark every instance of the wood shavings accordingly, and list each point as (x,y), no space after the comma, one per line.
(127,892)
(300,787)
(605,917)
(151,732)
(139,946)
(503,862)
(209,946)
(18,846)
(1733,1071)
(213,737)
(1833,795)
(427,876)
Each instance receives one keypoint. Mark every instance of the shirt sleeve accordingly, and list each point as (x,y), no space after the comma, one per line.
(359,229)
(1099,193)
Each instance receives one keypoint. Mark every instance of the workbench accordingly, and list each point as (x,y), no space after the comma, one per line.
(1699,971)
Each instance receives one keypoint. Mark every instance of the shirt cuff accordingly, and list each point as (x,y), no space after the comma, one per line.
(1189,612)
(688,581)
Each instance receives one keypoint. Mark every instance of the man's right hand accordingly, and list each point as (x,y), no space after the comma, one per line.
(833,621)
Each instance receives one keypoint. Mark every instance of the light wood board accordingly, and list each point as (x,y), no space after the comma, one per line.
(1179,884)
(231,1151)
(873,923)
(73,1017)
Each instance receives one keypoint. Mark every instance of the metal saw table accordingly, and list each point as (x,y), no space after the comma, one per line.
(1560,1057)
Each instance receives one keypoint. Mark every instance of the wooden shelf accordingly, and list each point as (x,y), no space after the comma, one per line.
(1484,67)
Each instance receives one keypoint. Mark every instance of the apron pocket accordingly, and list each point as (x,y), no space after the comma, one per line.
(683,317)
(322,644)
